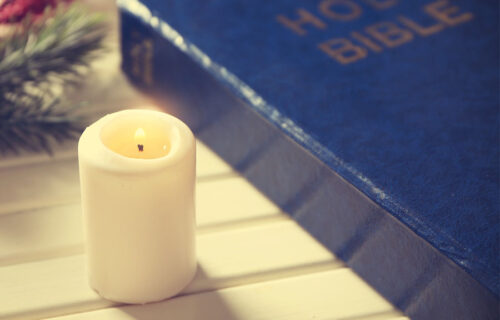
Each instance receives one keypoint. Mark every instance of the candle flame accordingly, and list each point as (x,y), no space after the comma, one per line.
(139,134)
(139,139)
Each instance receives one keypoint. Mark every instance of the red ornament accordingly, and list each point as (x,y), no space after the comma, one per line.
(12,11)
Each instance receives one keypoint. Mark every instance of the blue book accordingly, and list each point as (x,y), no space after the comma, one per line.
(373,123)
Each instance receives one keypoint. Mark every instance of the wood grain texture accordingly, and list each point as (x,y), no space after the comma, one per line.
(59,286)
(333,294)
(51,183)
(57,230)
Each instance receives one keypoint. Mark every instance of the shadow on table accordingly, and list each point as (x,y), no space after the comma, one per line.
(202,305)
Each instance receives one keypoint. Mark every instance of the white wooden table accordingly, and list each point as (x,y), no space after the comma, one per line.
(254,262)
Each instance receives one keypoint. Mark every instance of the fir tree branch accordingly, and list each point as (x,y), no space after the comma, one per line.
(54,50)
(36,127)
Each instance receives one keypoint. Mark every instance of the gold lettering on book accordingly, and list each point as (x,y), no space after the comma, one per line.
(343,50)
(349,10)
(442,10)
(305,18)
(366,41)
(437,15)
(419,29)
(389,34)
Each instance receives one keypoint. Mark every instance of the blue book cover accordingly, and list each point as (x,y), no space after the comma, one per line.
(374,123)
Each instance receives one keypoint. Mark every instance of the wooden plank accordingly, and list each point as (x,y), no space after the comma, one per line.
(30,187)
(59,286)
(257,254)
(61,152)
(40,234)
(232,200)
(57,231)
(55,183)
(208,163)
(334,294)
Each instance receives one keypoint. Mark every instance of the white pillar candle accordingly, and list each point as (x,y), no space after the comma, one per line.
(137,175)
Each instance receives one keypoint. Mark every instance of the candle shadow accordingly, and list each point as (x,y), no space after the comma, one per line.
(204,303)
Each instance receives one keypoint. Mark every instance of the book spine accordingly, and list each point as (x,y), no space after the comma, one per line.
(158,68)
(367,237)
(137,48)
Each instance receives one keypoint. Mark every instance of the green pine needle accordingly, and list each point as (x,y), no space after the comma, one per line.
(55,50)
(35,128)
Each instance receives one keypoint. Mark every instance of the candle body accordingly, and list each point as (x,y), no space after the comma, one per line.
(139,214)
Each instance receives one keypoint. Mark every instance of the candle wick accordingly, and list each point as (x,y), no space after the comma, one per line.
(140,147)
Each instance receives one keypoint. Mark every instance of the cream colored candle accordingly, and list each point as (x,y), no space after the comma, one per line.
(137,175)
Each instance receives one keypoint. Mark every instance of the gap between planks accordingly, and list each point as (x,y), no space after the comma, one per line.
(330,294)
(221,205)
(226,259)
(52,252)
(52,183)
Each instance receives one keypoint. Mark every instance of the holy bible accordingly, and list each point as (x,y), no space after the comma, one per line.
(373,123)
